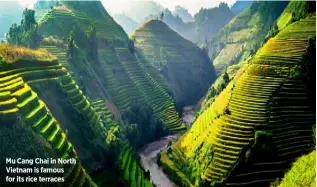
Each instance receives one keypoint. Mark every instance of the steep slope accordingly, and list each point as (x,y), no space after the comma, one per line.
(295,11)
(267,125)
(22,106)
(114,74)
(183,65)
(302,172)
(240,6)
(126,22)
(183,13)
(243,35)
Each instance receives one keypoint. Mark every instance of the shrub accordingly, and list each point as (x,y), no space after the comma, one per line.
(52,40)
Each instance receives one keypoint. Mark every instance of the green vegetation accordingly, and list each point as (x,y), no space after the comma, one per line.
(295,11)
(270,120)
(18,99)
(174,56)
(27,33)
(244,34)
(302,173)
(133,174)
(142,127)
(119,77)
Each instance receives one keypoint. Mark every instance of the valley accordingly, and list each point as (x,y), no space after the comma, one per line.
(160,97)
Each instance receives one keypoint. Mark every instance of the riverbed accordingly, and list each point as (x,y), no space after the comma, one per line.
(148,152)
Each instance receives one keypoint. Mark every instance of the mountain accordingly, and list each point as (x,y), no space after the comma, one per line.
(147,7)
(240,6)
(183,65)
(126,22)
(243,35)
(210,21)
(183,13)
(29,125)
(259,123)
(96,79)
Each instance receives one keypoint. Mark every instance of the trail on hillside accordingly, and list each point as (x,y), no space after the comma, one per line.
(148,153)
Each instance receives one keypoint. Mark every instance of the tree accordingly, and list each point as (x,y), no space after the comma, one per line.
(71,45)
(226,77)
(28,19)
(161,16)
(92,42)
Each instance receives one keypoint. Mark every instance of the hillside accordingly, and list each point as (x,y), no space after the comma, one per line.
(126,22)
(267,124)
(240,6)
(205,24)
(183,13)
(302,172)
(244,34)
(28,126)
(183,65)
(119,77)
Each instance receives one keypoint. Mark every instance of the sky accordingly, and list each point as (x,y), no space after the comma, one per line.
(119,6)
(193,6)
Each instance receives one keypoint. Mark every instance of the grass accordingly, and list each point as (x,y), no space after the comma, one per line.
(12,54)
(302,172)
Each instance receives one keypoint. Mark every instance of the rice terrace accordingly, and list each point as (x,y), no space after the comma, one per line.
(154,93)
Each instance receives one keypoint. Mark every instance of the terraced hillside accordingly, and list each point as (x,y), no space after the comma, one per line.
(267,125)
(243,35)
(119,77)
(18,99)
(72,15)
(302,172)
(175,57)
(133,173)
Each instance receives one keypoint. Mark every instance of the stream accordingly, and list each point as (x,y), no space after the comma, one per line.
(148,152)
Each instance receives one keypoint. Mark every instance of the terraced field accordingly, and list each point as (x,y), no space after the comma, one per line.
(127,81)
(17,98)
(173,56)
(68,19)
(243,35)
(263,99)
(121,76)
(133,173)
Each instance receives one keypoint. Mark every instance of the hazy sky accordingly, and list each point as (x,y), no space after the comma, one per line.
(119,6)
(193,6)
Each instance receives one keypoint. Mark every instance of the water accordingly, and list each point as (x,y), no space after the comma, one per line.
(148,153)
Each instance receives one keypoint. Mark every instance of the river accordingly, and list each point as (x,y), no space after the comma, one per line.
(148,152)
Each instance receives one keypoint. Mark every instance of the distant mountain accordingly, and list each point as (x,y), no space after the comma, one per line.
(240,6)
(183,65)
(183,13)
(206,23)
(244,34)
(10,13)
(210,21)
(142,9)
(126,22)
